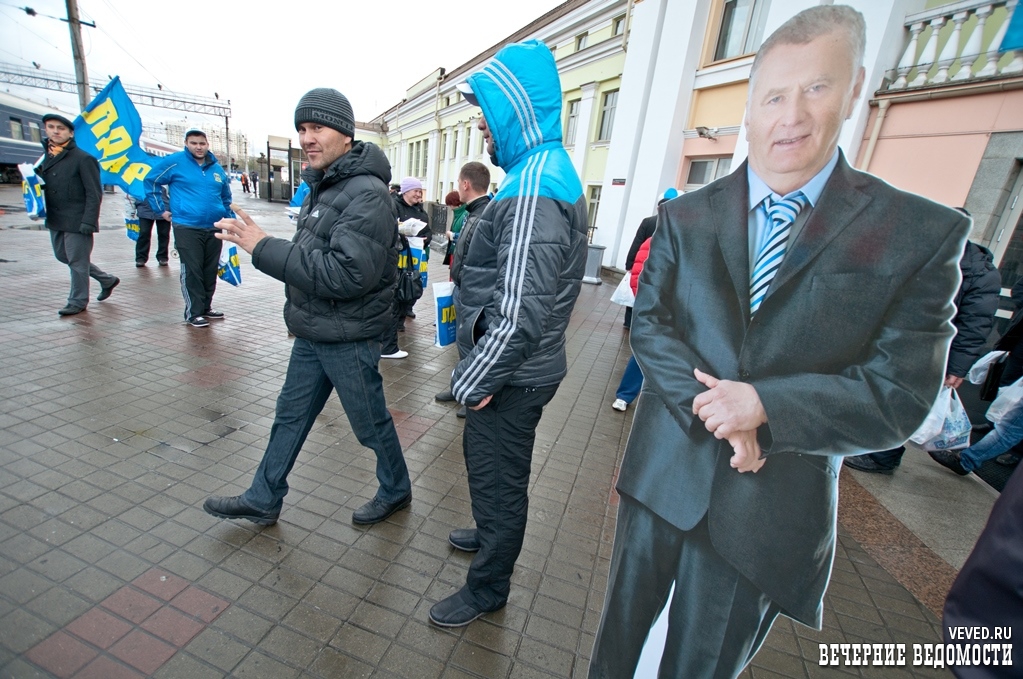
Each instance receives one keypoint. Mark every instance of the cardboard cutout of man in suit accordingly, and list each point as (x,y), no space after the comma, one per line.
(844,355)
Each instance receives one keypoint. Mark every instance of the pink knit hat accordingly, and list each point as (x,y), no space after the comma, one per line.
(410,184)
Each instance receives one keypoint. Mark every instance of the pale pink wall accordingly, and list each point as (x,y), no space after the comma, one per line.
(941,168)
(934,147)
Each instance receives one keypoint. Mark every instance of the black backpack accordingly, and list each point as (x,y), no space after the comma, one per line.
(410,281)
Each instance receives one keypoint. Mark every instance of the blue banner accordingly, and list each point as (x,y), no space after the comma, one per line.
(109,130)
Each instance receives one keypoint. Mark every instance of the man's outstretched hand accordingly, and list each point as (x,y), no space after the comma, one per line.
(242,231)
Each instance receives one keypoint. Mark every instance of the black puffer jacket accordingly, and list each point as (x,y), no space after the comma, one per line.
(73,192)
(475,211)
(976,304)
(341,266)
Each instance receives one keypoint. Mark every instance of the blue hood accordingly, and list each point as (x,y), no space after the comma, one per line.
(520,94)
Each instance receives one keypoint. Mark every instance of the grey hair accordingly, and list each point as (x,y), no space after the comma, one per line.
(813,23)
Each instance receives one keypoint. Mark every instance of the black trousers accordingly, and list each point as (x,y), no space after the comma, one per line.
(163,229)
(199,253)
(717,619)
(498,446)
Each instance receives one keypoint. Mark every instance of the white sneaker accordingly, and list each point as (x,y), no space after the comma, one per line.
(620,405)
(398,354)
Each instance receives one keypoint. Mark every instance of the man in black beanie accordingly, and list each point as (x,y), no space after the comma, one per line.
(339,271)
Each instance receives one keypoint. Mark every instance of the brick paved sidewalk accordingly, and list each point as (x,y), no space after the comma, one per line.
(115,424)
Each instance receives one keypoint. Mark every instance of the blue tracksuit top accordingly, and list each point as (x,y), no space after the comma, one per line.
(200,195)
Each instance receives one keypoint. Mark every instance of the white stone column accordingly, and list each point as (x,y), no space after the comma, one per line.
(432,162)
(653,106)
(474,141)
(582,127)
(450,169)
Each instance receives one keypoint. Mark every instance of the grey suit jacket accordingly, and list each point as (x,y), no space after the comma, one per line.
(847,353)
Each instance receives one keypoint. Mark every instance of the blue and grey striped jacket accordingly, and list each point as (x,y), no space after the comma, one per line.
(522,272)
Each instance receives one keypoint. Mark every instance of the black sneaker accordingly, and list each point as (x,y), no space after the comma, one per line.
(163,262)
(71,310)
(140,265)
(198,322)
(948,459)
(214,315)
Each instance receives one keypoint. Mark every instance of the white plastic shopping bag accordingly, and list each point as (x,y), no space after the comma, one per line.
(935,418)
(978,373)
(623,293)
(954,432)
(1008,397)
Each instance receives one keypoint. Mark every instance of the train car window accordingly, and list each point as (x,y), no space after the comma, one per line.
(33,131)
(16,128)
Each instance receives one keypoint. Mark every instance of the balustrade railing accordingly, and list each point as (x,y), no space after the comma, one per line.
(968,43)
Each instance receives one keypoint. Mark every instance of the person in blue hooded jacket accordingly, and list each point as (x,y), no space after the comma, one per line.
(520,278)
(200,196)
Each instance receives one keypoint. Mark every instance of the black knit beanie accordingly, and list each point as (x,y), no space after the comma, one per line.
(328,107)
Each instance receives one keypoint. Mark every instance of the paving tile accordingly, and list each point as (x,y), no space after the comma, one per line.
(163,586)
(217,649)
(199,604)
(142,651)
(104,667)
(61,654)
(131,604)
(172,626)
(260,666)
(99,628)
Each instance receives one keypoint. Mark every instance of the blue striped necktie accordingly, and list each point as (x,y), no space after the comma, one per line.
(781,214)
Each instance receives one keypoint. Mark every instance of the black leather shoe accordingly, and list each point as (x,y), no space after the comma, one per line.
(444,396)
(105,291)
(235,508)
(465,539)
(948,459)
(71,310)
(377,510)
(410,314)
(461,412)
(864,463)
(456,611)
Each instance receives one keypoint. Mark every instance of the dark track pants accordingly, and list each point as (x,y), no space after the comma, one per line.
(717,619)
(163,228)
(498,446)
(199,253)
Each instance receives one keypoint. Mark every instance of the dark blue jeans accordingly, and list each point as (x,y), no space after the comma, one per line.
(632,382)
(316,369)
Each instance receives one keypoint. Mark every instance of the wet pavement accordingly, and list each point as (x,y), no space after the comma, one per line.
(115,425)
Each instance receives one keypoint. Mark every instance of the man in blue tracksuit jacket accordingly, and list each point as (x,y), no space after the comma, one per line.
(520,278)
(200,196)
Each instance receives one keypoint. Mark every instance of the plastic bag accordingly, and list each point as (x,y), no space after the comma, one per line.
(1008,397)
(978,373)
(446,326)
(32,192)
(623,293)
(955,426)
(230,267)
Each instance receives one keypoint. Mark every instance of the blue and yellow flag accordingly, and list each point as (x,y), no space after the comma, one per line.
(1013,39)
(109,130)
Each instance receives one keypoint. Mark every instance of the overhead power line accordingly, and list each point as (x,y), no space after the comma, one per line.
(145,96)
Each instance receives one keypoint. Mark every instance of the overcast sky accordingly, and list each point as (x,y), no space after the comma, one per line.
(262,58)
